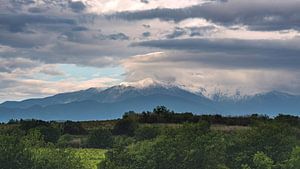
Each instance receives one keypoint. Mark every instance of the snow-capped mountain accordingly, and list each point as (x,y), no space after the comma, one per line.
(62,98)
(112,102)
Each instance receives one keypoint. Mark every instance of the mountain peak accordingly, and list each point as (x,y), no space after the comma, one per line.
(144,83)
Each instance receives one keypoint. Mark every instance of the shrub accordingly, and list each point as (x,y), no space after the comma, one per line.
(125,127)
(50,158)
(50,134)
(13,154)
(74,128)
(146,133)
(100,138)
(262,161)
(64,141)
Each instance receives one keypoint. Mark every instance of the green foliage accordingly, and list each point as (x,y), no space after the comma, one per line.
(294,161)
(177,141)
(101,138)
(64,141)
(74,128)
(24,152)
(30,124)
(125,127)
(275,140)
(90,158)
(262,161)
(146,133)
(289,119)
(123,141)
(161,114)
(181,150)
(12,131)
(245,166)
(51,158)
(13,154)
(33,139)
(194,145)
(50,134)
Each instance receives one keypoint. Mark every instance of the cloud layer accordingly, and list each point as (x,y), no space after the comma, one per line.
(256,14)
(51,46)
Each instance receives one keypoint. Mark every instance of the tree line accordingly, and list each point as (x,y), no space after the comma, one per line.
(158,139)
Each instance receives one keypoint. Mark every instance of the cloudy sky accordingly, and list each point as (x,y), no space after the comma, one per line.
(53,46)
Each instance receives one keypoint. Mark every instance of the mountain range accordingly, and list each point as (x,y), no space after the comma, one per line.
(110,103)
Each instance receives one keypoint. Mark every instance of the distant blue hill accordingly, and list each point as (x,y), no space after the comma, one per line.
(95,104)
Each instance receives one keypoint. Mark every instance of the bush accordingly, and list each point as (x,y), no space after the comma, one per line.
(125,127)
(123,141)
(30,124)
(50,134)
(50,158)
(74,128)
(33,139)
(100,138)
(64,141)
(192,150)
(146,133)
(262,161)
(294,161)
(13,154)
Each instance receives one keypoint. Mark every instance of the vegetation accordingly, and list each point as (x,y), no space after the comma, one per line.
(101,138)
(90,158)
(161,139)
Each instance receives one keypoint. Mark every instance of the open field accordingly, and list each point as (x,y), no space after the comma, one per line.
(90,157)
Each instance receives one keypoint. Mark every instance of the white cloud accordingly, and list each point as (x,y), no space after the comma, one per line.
(106,6)
(196,76)
(36,37)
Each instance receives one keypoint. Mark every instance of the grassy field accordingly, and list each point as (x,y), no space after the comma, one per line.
(90,157)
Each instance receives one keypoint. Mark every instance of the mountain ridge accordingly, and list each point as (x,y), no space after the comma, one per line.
(114,101)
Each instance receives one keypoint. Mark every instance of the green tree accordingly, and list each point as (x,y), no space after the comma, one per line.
(274,139)
(74,128)
(125,127)
(100,138)
(33,139)
(146,133)
(14,154)
(50,134)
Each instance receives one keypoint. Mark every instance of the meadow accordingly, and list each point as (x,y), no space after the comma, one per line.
(90,157)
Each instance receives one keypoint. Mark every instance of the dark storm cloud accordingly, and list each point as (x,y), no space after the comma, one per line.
(17,23)
(191,31)
(17,40)
(35,10)
(76,6)
(177,32)
(146,34)
(233,53)
(200,31)
(118,36)
(145,1)
(258,15)
(79,28)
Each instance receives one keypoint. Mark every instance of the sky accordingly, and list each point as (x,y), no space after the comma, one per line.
(53,46)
